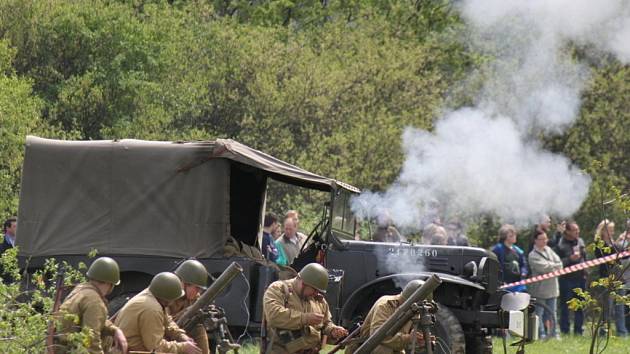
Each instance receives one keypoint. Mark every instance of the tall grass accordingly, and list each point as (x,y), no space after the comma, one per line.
(566,345)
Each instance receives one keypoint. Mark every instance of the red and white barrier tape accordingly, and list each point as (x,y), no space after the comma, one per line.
(567,270)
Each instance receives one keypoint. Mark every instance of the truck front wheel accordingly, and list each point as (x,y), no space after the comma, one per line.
(448,332)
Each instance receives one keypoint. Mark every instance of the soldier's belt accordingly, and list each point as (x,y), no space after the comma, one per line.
(287,336)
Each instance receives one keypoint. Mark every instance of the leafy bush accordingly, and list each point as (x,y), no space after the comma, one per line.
(26,305)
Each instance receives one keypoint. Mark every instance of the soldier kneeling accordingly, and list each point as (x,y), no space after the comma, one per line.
(296,313)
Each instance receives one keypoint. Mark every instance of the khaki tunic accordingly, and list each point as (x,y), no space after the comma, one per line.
(88,304)
(198,333)
(380,312)
(146,323)
(292,317)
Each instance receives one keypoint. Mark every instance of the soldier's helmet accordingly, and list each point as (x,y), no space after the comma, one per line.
(193,272)
(411,288)
(166,286)
(104,269)
(315,276)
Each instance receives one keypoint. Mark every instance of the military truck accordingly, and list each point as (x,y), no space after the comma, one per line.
(149,205)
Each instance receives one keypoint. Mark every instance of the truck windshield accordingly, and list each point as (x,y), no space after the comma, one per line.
(343,220)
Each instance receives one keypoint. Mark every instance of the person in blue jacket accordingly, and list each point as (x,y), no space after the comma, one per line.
(269,249)
(512,259)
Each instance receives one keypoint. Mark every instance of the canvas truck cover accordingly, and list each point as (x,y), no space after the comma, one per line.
(133,197)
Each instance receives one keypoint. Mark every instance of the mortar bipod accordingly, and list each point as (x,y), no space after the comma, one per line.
(423,321)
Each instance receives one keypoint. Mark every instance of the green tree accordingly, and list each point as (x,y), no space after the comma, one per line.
(19,116)
(600,134)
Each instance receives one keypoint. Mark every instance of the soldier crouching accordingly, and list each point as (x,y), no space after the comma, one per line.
(380,312)
(297,315)
(195,278)
(146,323)
(86,307)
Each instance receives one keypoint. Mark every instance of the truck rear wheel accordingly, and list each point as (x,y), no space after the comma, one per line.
(449,335)
(118,302)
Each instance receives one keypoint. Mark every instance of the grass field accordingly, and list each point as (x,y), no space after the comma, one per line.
(567,345)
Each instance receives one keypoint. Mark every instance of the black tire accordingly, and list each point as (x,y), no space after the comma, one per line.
(449,335)
(118,302)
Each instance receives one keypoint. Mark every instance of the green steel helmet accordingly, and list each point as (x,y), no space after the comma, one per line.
(410,288)
(166,286)
(193,272)
(104,269)
(315,276)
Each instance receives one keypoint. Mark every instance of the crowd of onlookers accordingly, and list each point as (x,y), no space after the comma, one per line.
(282,243)
(549,252)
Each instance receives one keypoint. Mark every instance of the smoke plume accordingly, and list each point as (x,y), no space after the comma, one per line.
(486,158)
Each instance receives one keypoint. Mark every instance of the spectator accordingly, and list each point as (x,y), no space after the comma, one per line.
(557,236)
(291,242)
(296,217)
(623,243)
(9,230)
(570,249)
(269,249)
(625,235)
(511,258)
(605,247)
(386,231)
(455,234)
(544,226)
(277,232)
(543,259)
(439,239)
(431,214)
(433,233)
(281,259)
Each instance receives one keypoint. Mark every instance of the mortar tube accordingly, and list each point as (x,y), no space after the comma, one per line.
(211,293)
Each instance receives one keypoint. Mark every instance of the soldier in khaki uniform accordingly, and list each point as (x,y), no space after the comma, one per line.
(195,278)
(86,307)
(296,313)
(146,323)
(380,312)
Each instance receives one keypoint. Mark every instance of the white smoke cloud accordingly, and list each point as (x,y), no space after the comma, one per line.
(619,42)
(485,159)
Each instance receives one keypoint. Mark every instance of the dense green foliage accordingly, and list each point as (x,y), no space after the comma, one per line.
(26,314)
(328,86)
